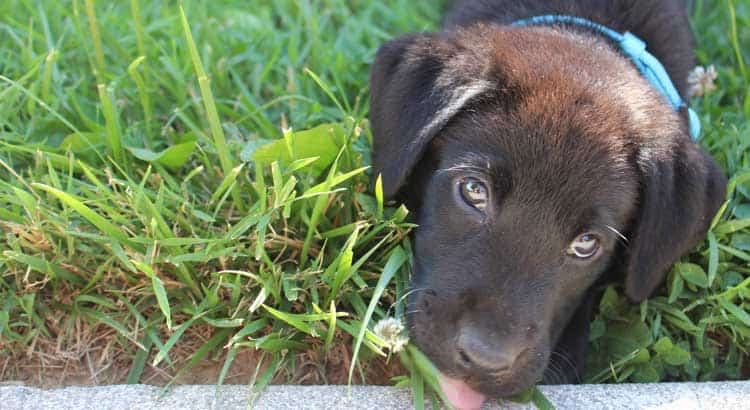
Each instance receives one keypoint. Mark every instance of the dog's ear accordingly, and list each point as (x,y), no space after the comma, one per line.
(417,84)
(682,187)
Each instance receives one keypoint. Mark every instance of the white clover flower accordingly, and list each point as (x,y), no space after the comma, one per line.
(389,331)
(399,344)
(388,328)
(701,80)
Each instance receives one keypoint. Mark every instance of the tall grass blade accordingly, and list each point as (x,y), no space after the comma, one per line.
(97,40)
(114,140)
(397,258)
(210,105)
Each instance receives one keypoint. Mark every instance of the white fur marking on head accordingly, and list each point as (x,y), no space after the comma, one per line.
(645,156)
(458,98)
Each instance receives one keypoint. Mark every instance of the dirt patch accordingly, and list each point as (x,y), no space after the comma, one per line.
(101,361)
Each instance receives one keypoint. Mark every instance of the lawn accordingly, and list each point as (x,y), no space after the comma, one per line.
(185,197)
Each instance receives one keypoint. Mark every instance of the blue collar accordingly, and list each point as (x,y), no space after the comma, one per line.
(635,49)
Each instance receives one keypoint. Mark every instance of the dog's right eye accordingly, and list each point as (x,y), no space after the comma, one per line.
(474,192)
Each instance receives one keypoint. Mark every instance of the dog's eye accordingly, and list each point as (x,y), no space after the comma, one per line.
(474,192)
(584,246)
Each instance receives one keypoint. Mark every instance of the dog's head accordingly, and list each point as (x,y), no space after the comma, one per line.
(534,161)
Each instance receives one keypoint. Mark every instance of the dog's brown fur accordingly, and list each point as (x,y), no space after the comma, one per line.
(568,138)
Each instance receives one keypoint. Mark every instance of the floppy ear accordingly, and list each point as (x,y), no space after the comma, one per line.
(682,187)
(417,84)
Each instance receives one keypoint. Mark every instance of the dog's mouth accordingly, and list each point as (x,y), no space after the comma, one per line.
(460,394)
(468,394)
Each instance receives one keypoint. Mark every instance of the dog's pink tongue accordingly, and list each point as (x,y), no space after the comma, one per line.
(460,394)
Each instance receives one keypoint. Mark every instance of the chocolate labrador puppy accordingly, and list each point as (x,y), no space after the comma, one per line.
(537,160)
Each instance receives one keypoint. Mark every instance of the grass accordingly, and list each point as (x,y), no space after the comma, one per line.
(697,327)
(183,183)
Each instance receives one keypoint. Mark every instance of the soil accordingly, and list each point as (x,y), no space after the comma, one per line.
(101,362)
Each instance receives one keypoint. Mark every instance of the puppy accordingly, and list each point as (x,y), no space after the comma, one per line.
(538,161)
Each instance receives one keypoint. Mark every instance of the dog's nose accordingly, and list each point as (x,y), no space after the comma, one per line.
(476,351)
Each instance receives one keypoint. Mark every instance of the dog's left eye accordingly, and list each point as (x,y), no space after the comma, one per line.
(474,192)
(584,246)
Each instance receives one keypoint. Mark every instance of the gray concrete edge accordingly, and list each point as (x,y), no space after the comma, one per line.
(677,396)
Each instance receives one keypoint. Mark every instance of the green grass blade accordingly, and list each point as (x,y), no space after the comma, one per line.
(417,390)
(97,40)
(94,218)
(217,132)
(139,362)
(200,354)
(397,258)
(228,181)
(141,86)
(163,353)
(736,42)
(114,139)
(326,89)
(379,196)
(159,291)
(427,369)
(331,326)
(540,400)
(111,322)
(135,10)
(49,64)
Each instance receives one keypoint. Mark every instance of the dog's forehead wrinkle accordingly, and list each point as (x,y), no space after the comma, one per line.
(472,158)
(469,161)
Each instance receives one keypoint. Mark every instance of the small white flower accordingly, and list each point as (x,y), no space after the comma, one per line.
(701,80)
(389,330)
(399,344)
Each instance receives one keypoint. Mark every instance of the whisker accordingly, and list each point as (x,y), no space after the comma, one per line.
(619,234)
(403,297)
(559,374)
(407,294)
(567,360)
(552,375)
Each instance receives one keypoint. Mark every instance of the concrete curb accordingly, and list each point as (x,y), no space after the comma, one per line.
(677,396)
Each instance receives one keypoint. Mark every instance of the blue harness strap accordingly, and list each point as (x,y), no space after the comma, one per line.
(635,49)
